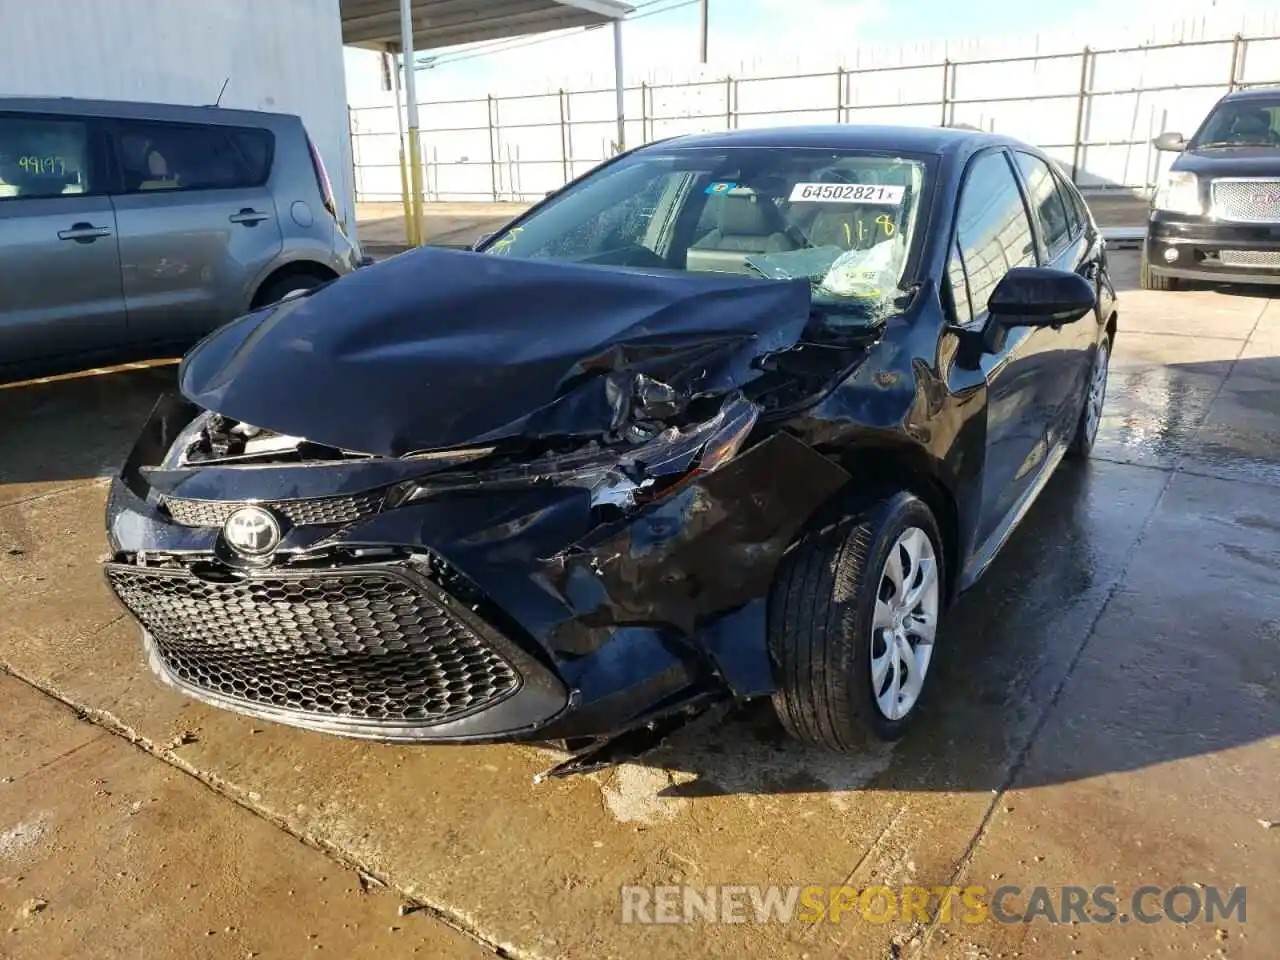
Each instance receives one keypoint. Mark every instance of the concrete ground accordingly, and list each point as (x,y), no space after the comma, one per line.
(1105,710)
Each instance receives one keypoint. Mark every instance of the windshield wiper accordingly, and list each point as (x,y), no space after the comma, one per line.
(1236,143)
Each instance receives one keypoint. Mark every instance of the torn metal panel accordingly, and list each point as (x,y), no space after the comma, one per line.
(704,550)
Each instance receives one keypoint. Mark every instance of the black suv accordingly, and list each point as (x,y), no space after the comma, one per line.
(1216,215)
(733,415)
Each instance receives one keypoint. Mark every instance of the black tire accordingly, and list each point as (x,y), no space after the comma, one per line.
(1084,439)
(820,616)
(1148,280)
(278,289)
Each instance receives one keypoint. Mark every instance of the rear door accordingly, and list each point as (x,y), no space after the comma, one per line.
(1066,245)
(993,235)
(196,223)
(60,290)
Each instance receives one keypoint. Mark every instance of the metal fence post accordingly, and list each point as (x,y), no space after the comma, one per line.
(1236,43)
(564,137)
(946,88)
(493,151)
(1082,98)
(729,121)
(644,112)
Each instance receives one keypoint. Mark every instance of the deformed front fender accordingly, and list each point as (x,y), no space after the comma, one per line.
(702,552)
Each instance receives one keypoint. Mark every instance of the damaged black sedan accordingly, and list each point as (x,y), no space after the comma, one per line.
(734,415)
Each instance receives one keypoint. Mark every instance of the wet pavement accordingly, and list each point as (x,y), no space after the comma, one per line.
(1106,710)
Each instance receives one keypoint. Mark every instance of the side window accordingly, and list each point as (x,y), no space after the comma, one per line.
(1076,207)
(993,234)
(1047,201)
(170,156)
(43,158)
(959,285)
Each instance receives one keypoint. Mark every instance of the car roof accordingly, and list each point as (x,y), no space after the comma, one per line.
(1254,93)
(956,141)
(130,110)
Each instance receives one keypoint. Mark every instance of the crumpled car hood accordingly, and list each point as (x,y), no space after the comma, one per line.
(436,349)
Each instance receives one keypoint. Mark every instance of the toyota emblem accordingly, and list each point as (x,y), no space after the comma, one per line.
(252,532)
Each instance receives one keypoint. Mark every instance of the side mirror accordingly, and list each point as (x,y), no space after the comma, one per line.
(481,240)
(1174,142)
(1040,297)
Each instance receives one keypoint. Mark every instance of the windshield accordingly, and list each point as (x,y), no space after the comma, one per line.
(1240,123)
(845,221)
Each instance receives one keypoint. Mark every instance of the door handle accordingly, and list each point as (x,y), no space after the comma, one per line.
(83,233)
(249,217)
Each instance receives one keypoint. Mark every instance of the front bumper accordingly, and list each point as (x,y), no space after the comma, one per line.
(483,616)
(1201,248)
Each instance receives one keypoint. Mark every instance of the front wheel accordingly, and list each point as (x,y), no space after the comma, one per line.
(853,616)
(1149,280)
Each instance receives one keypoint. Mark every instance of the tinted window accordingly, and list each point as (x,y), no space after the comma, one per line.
(992,230)
(168,156)
(43,158)
(1240,122)
(1047,201)
(1075,205)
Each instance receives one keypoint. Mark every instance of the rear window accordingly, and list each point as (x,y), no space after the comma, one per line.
(43,158)
(171,156)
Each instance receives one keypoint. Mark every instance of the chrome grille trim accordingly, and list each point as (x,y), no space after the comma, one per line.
(1246,199)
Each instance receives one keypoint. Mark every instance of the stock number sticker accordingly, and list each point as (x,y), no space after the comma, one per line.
(888,194)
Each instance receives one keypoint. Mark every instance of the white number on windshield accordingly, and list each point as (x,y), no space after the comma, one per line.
(888,194)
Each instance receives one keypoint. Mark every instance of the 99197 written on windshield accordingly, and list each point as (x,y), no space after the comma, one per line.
(888,194)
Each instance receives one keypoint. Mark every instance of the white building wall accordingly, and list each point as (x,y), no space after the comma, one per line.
(282,56)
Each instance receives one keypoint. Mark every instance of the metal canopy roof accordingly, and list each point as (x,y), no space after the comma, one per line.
(375,24)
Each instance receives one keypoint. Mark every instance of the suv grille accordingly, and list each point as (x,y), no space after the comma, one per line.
(300,513)
(1248,201)
(1250,258)
(366,646)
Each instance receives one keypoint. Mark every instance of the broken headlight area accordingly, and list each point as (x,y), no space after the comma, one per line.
(617,479)
(212,439)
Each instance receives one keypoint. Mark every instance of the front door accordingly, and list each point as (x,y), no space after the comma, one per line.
(196,221)
(60,289)
(1066,244)
(994,235)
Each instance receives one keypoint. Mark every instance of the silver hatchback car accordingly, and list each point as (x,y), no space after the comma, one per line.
(131,230)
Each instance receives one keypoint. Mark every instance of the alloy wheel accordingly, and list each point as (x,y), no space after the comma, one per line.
(904,624)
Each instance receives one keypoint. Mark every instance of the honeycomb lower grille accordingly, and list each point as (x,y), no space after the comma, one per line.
(363,646)
(300,513)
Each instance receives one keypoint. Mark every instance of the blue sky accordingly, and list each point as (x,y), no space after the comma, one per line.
(744,30)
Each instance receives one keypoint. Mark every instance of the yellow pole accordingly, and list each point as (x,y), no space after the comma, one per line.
(415,183)
(411,96)
(404,170)
(408,198)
